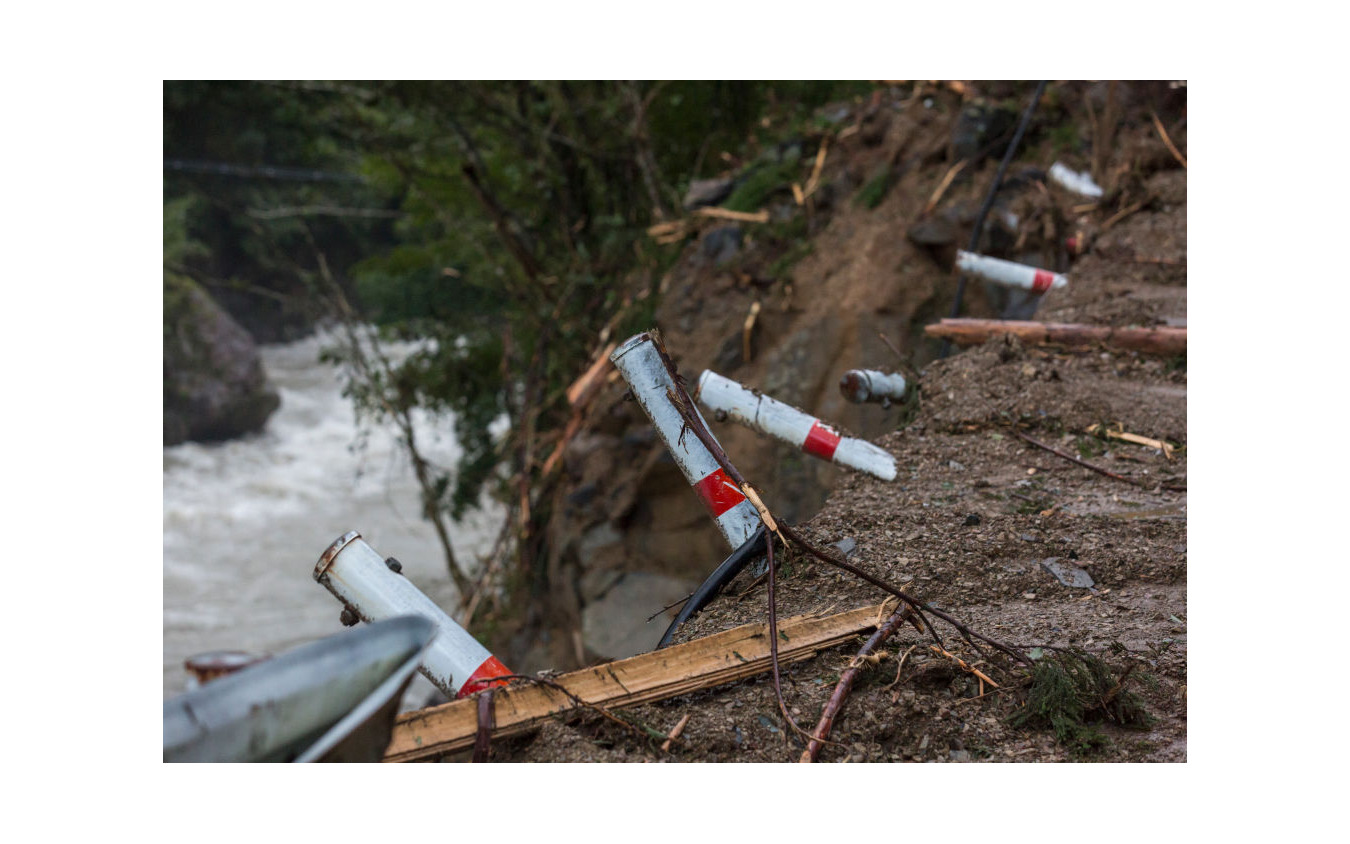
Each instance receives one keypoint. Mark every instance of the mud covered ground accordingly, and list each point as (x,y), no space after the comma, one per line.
(974,513)
(966,525)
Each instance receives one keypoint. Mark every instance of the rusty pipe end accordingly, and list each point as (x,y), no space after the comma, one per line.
(630,344)
(327,557)
(855,386)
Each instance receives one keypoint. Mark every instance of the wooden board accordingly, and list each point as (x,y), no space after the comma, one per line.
(711,661)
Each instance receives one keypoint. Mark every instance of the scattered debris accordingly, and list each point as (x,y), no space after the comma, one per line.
(1118,433)
(1009,273)
(1069,575)
(836,702)
(846,546)
(456,663)
(699,664)
(782,421)
(1075,182)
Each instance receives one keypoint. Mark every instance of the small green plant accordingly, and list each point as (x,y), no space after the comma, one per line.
(762,181)
(871,194)
(1072,691)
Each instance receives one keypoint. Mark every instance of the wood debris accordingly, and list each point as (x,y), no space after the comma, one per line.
(703,663)
(1162,340)
(1119,433)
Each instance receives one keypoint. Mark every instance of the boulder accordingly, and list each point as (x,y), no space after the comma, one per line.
(214,386)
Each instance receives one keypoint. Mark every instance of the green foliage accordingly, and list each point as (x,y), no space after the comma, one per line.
(870,195)
(499,224)
(762,181)
(1073,690)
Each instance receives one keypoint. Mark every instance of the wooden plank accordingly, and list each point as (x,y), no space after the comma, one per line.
(711,661)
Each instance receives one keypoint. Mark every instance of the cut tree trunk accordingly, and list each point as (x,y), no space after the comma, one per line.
(1163,340)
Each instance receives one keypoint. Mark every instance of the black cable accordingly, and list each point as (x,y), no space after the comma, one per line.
(721,576)
(989,203)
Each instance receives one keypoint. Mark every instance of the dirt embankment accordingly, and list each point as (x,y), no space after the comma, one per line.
(975,511)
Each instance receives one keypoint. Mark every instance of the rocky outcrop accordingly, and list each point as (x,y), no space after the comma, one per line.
(214,386)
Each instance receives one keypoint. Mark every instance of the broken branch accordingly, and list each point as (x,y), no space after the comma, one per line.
(836,701)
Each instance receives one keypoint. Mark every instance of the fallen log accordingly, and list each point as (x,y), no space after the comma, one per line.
(1163,340)
(680,669)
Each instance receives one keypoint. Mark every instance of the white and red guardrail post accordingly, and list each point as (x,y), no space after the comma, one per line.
(864,385)
(641,366)
(787,423)
(358,577)
(1009,273)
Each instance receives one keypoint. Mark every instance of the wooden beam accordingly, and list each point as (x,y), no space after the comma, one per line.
(1163,340)
(703,663)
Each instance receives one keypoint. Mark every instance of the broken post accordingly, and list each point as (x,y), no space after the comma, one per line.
(1009,273)
(456,663)
(641,366)
(787,423)
(868,385)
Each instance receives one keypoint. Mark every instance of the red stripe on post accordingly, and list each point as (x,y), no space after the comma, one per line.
(821,441)
(719,494)
(1042,281)
(481,678)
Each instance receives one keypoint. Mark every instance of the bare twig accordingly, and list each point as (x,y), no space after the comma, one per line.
(487,722)
(1176,153)
(640,732)
(942,187)
(1123,213)
(1072,459)
(963,665)
(675,733)
(773,643)
(901,667)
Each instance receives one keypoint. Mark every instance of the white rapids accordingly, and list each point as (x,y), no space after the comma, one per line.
(246,520)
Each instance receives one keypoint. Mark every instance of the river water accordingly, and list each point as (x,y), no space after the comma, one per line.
(246,520)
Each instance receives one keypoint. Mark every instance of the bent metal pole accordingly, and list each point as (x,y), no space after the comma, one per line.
(641,366)
(787,423)
(864,385)
(358,577)
(1009,273)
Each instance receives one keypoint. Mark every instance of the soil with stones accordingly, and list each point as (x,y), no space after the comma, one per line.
(972,520)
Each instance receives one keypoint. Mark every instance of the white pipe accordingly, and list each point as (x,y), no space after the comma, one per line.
(641,366)
(1009,273)
(787,423)
(1070,180)
(864,385)
(358,577)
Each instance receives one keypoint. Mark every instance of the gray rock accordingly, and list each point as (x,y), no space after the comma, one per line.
(616,626)
(214,386)
(1068,575)
(707,192)
(721,244)
(981,129)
